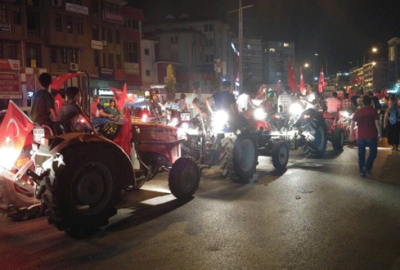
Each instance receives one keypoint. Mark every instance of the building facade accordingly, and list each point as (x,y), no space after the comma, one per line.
(209,62)
(276,56)
(375,76)
(101,37)
(394,60)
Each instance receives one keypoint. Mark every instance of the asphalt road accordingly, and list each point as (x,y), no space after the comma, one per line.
(320,214)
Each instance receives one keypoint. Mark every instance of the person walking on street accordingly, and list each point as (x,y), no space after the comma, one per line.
(43,108)
(392,123)
(369,133)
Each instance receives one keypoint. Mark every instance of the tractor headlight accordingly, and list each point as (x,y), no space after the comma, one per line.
(259,114)
(295,109)
(219,120)
(345,114)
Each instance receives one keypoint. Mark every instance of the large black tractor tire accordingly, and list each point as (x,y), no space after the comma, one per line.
(184,178)
(239,157)
(315,147)
(17,203)
(81,191)
(338,139)
(280,156)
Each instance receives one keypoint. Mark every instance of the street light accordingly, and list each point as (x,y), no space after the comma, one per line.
(373,50)
(374,63)
(306,65)
(316,54)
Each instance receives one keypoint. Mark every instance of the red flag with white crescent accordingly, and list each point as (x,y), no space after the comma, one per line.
(58,102)
(124,138)
(120,97)
(321,85)
(57,82)
(292,83)
(302,86)
(14,130)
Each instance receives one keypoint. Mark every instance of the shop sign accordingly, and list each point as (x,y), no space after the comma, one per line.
(9,82)
(113,17)
(9,64)
(106,74)
(10,95)
(105,92)
(97,45)
(5,27)
(76,8)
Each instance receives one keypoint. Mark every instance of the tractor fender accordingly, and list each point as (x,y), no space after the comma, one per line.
(71,142)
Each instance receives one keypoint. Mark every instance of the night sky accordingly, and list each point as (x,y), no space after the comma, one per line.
(338,30)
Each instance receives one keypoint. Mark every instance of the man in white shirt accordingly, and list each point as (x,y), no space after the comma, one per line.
(333,104)
(194,101)
(284,101)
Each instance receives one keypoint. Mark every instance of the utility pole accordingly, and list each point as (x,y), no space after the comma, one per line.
(240,41)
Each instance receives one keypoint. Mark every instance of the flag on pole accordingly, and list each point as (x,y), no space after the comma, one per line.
(302,86)
(321,85)
(124,138)
(60,80)
(14,130)
(292,83)
(120,97)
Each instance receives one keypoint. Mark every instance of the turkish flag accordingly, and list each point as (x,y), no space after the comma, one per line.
(120,97)
(321,85)
(302,87)
(292,83)
(60,80)
(278,88)
(124,137)
(58,102)
(14,130)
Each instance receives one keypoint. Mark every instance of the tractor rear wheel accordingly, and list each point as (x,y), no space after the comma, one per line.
(81,193)
(280,156)
(338,139)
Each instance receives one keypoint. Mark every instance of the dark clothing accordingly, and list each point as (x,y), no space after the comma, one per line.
(365,118)
(43,102)
(114,111)
(155,107)
(354,100)
(67,115)
(393,133)
(377,104)
(223,100)
(373,151)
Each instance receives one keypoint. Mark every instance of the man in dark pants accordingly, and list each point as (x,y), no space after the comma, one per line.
(369,133)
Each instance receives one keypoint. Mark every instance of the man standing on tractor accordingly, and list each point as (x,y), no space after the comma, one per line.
(43,102)
(100,117)
(333,105)
(369,133)
(284,101)
(223,100)
(194,101)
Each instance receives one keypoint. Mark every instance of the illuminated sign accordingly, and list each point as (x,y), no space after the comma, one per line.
(105,92)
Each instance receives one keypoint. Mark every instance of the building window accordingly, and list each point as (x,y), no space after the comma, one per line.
(109,35)
(1,49)
(117,37)
(286,44)
(209,43)
(33,55)
(74,56)
(146,51)
(17,15)
(119,61)
(210,58)
(147,73)
(271,49)
(111,61)
(69,24)
(96,58)
(64,55)
(103,33)
(53,54)
(131,52)
(107,6)
(174,40)
(3,13)
(34,3)
(58,22)
(79,26)
(95,6)
(33,22)
(104,59)
(12,50)
(208,28)
(95,28)
(135,24)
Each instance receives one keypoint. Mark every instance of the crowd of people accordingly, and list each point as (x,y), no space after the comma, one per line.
(365,109)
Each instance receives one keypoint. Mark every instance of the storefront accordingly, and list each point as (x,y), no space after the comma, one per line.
(108,78)
(9,83)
